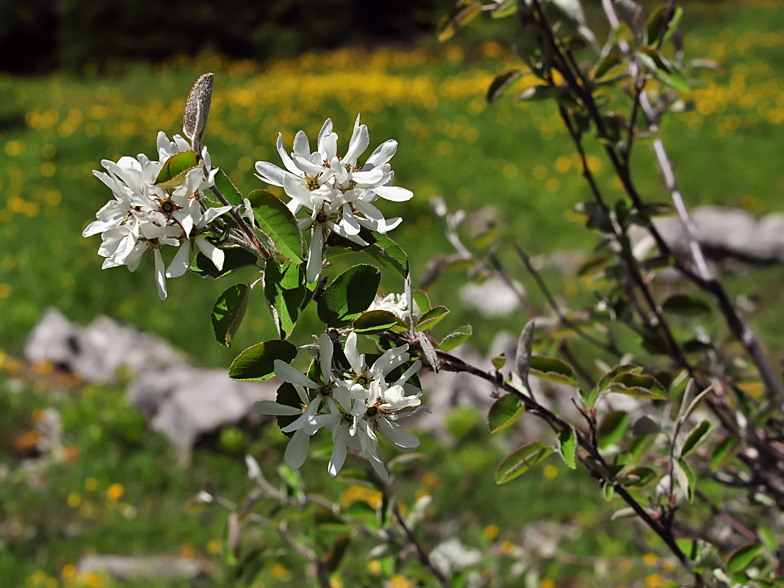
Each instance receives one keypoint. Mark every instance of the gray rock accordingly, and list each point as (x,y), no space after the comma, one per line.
(198,402)
(123,567)
(97,351)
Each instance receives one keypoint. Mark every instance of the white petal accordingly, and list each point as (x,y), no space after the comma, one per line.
(285,156)
(292,375)
(211,214)
(160,274)
(356,360)
(215,255)
(274,409)
(397,435)
(307,166)
(301,144)
(297,450)
(314,255)
(368,178)
(350,223)
(381,155)
(415,367)
(394,193)
(359,142)
(270,173)
(326,129)
(325,352)
(338,457)
(179,265)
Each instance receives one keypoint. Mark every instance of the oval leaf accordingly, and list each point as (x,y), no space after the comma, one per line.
(374,321)
(638,477)
(504,412)
(684,305)
(228,312)
(552,369)
(227,188)
(457,17)
(256,362)
(285,290)
(455,338)
(278,223)
(502,82)
(234,258)
(520,461)
(431,318)
(349,295)
(696,437)
(176,167)
(637,385)
(742,557)
(612,428)
(567,447)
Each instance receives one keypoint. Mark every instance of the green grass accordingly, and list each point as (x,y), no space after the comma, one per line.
(55,130)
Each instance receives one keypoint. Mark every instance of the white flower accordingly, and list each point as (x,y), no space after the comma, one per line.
(337,191)
(397,304)
(330,388)
(144,217)
(450,557)
(362,376)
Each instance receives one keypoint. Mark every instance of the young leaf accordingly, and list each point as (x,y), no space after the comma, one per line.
(696,437)
(523,353)
(504,412)
(234,258)
(374,321)
(455,338)
(742,557)
(227,188)
(567,446)
(609,63)
(284,289)
(684,305)
(431,318)
(422,300)
(197,109)
(502,82)
(612,428)
(228,312)
(645,426)
(552,369)
(175,169)
(499,361)
(637,385)
(256,363)
(504,8)
(540,93)
(349,295)
(638,477)
(278,223)
(686,479)
(724,452)
(459,16)
(521,460)
(386,251)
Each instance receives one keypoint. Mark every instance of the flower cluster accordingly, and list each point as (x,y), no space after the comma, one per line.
(356,403)
(145,215)
(337,191)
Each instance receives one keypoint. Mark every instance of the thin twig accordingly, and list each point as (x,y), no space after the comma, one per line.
(424,558)
(263,251)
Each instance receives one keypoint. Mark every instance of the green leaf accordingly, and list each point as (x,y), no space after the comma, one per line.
(504,9)
(459,16)
(386,251)
(612,428)
(696,437)
(285,290)
(684,305)
(455,338)
(406,461)
(337,552)
(227,188)
(724,452)
(645,426)
(655,24)
(278,223)
(499,362)
(742,557)
(228,312)
(638,477)
(422,300)
(609,63)
(675,80)
(374,321)
(686,479)
(552,369)
(349,295)
(637,385)
(521,460)
(431,318)
(504,412)
(175,169)
(234,258)
(540,93)
(256,362)
(501,82)
(567,446)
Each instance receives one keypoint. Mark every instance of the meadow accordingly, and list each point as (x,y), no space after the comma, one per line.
(511,162)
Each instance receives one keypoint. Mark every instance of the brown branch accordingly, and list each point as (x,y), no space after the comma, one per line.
(424,558)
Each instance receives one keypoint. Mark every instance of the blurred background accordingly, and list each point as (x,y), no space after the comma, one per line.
(84,80)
